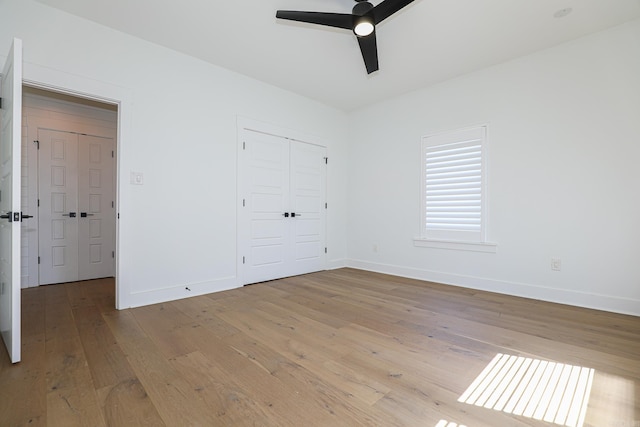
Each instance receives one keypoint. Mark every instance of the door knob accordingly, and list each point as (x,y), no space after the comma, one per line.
(70,214)
(286,214)
(11,216)
(293,214)
(25,217)
(84,214)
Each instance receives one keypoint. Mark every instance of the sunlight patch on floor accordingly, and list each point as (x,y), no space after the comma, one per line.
(533,388)
(445,423)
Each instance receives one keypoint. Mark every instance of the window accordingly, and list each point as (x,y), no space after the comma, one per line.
(454,196)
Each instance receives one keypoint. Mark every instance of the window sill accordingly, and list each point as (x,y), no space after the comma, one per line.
(488,247)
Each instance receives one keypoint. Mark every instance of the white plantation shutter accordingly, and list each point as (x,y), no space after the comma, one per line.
(454,185)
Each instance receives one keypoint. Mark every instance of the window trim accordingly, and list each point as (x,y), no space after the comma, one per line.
(444,241)
(423,242)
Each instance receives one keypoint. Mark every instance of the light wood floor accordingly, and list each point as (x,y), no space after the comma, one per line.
(336,348)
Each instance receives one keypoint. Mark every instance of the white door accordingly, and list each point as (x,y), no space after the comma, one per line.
(282,218)
(10,199)
(58,211)
(96,216)
(308,186)
(264,231)
(76,214)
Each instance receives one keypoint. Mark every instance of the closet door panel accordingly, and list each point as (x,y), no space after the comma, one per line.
(58,210)
(264,230)
(308,193)
(96,218)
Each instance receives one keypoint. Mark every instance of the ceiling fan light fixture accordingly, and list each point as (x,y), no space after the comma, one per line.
(363,26)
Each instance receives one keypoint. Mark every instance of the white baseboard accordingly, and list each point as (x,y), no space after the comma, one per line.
(155,296)
(561,296)
(336,263)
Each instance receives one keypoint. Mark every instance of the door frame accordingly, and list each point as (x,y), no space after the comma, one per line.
(74,119)
(247,124)
(52,80)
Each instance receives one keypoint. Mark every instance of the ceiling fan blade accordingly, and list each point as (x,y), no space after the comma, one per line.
(338,20)
(369,50)
(388,8)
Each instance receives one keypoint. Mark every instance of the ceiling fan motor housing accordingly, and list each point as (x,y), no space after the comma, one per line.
(361,8)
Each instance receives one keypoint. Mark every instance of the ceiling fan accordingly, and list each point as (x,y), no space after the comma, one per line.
(362,21)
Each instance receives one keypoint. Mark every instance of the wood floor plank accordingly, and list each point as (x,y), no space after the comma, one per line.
(202,310)
(232,403)
(70,395)
(322,401)
(72,407)
(169,328)
(267,377)
(106,361)
(301,348)
(615,400)
(128,404)
(171,394)
(27,381)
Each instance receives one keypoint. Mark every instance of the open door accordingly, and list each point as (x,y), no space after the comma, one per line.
(10,214)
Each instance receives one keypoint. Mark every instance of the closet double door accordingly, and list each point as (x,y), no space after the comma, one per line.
(281,224)
(76,214)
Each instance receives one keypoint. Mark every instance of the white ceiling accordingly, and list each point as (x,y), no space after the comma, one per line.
(427,42)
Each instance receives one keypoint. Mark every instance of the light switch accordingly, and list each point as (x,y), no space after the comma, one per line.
(137,178)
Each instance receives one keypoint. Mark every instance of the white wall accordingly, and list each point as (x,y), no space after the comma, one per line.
(178,127)
(564,141)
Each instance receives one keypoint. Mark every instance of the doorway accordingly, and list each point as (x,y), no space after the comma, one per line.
(69,146)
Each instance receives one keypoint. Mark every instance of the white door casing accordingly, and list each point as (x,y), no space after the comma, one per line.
(47,78)
(278,178)
(76,213)
(10,200)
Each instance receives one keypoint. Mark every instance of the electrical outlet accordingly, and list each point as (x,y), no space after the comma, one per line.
(556,264)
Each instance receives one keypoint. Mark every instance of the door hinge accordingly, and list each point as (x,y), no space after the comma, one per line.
(243,260)
(243,203)
(112,154)
(112,204)
(38,260)
(325,250)
(326,160)
(113,254)
(325,205)
(0,102)
(38,202)
(37,144)
(244,145)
